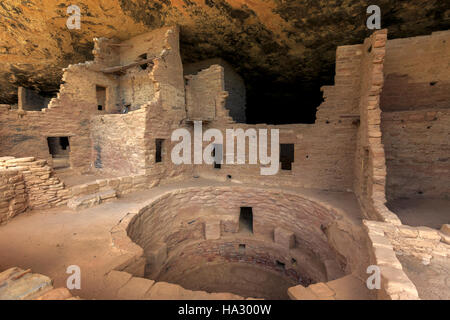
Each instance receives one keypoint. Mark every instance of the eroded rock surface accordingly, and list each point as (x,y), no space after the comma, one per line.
(277,46)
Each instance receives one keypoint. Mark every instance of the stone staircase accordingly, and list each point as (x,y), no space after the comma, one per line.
(345,288)
(93,199)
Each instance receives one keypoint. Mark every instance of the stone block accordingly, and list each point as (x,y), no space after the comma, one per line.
(301,293)
(445,229)
(284,237)
(212,230)
(135,289)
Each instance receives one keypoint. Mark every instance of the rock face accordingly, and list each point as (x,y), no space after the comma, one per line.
(277,46)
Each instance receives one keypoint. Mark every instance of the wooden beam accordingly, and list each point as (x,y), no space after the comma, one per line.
(119,69)
(120,45)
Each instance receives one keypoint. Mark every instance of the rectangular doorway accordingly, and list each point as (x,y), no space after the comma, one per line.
(246,219)
(59,148)
(101,98)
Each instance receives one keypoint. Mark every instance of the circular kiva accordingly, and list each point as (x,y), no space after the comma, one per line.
(254,242)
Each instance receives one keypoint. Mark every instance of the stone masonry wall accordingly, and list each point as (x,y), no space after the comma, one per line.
(126,143)
(13,199)
(68,115)
(201,91)
(169,221)
(370,167)
(234,85)
(136,85)
(416,73)
(42,188)
(118,142)
(324,151)
(395,284)
(417,153)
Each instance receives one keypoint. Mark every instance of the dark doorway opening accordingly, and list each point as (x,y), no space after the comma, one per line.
(143,57)
(273,102)
(59,148)
(101,97)
(286,155)
(246,219)
(280,265)
(159,145)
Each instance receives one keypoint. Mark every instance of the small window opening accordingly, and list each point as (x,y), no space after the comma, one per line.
(246,219)
(280,264)
(286,155)
(432,83)
(143,57)
(241,248)
(159,145)
(293,262)
(217,155)
(101,97)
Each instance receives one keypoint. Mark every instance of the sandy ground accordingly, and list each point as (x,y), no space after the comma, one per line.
(48,241)
(70,179)
(432,281)
(238,278)
(431,213)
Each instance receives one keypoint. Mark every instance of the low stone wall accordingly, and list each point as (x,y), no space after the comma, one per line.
(220,226)
(122,185)
(119,285)
(160,220)
(42,188)
(13,199)
(395,284)
(420,242)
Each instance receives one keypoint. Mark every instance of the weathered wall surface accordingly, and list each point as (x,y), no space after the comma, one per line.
(41,188)
(136,85)
(13,199)
(416,73)
(169,223)
(68,115)
(201,93)
(370,168)
(395,284)
(234,85)
(118,142)
(324,151)
(31,100)
(417,145)
(416,119)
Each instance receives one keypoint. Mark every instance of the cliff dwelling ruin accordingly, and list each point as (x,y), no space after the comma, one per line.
(87,179)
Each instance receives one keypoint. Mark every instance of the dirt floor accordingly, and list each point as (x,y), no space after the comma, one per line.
(431,213)
(432,281)
(238,278)
(48,241)
(70,179)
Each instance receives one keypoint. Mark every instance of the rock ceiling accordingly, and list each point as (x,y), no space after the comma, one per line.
(284,43)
